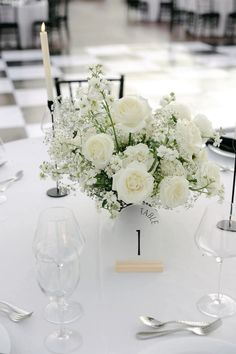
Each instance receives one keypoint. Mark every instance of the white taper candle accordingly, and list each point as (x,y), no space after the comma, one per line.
(46,62)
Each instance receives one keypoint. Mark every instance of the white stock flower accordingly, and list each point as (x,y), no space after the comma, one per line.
(188,137)
(131,113)
(181,110)
(174,191)
(167,99)
(98,149)
(172,168)
(210,174)
(202,157)
(133,183)
(139,153)
(167,153)
(204,125)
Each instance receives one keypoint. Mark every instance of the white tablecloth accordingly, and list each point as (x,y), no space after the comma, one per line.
(26,13)
(112,302)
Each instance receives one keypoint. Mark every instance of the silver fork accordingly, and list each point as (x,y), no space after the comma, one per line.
(13,312)
(6,184)
(156,324)
(201,331)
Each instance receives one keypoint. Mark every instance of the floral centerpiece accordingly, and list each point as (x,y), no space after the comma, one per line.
(119,152)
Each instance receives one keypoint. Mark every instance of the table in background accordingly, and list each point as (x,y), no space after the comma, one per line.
(223,7)
(153,9)
(25,13)
(111,311)
(197,7)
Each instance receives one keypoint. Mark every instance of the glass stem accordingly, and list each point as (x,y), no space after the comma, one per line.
(219,260)
(62,329)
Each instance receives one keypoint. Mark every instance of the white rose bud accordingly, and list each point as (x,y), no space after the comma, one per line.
(131,113)
(181,110)
(133,183)
(188,137)
(99,149)
(174,191)
(139,153)
(204,125)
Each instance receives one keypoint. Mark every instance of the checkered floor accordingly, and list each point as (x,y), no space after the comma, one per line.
(204,80)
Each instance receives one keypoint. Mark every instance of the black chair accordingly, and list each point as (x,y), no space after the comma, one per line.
(178,15)
(165,10)
(63,15)
(72,85)
(57,18)
(230,26)
(137,5)
(207,19)
(9,25)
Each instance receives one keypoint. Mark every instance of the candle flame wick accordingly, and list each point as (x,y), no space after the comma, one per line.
(43,27)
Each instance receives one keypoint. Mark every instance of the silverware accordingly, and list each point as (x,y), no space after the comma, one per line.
(225,168)
(2,164)
(14,313)
(200,331)
(154,323)
(7,182)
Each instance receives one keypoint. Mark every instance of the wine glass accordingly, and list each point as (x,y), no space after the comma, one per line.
(216,237)
(57,269)
(54,223)
(46,122)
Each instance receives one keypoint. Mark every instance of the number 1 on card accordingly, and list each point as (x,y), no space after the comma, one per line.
(139,233)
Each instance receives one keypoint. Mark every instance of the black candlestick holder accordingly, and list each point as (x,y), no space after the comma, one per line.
(230,224)
(55,192)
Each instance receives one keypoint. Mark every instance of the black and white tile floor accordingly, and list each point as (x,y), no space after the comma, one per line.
(205,81)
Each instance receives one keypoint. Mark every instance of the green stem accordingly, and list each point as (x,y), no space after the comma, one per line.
(98,124)
(153,165)
(111,120)
(130,138)
(200,189)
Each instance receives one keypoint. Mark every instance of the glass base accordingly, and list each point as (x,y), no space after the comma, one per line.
(71,311)
(213,306)
(63,342)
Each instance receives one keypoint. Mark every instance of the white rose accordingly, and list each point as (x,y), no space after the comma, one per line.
(181,110)
(99,149)
(133,183)
(188,137)
(202,157)
(174,191)
(139,153)
(204,125)
(131,113)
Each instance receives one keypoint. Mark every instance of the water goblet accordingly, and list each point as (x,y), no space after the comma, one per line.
(216,237)
(57,269)
(59,223)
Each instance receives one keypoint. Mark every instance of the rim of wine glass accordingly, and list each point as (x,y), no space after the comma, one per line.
(213,203)
(70,216)
(58,207)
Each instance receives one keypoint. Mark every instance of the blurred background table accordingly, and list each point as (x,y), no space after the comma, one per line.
(22,14)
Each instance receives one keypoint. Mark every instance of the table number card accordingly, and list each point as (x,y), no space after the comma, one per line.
(133,240)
